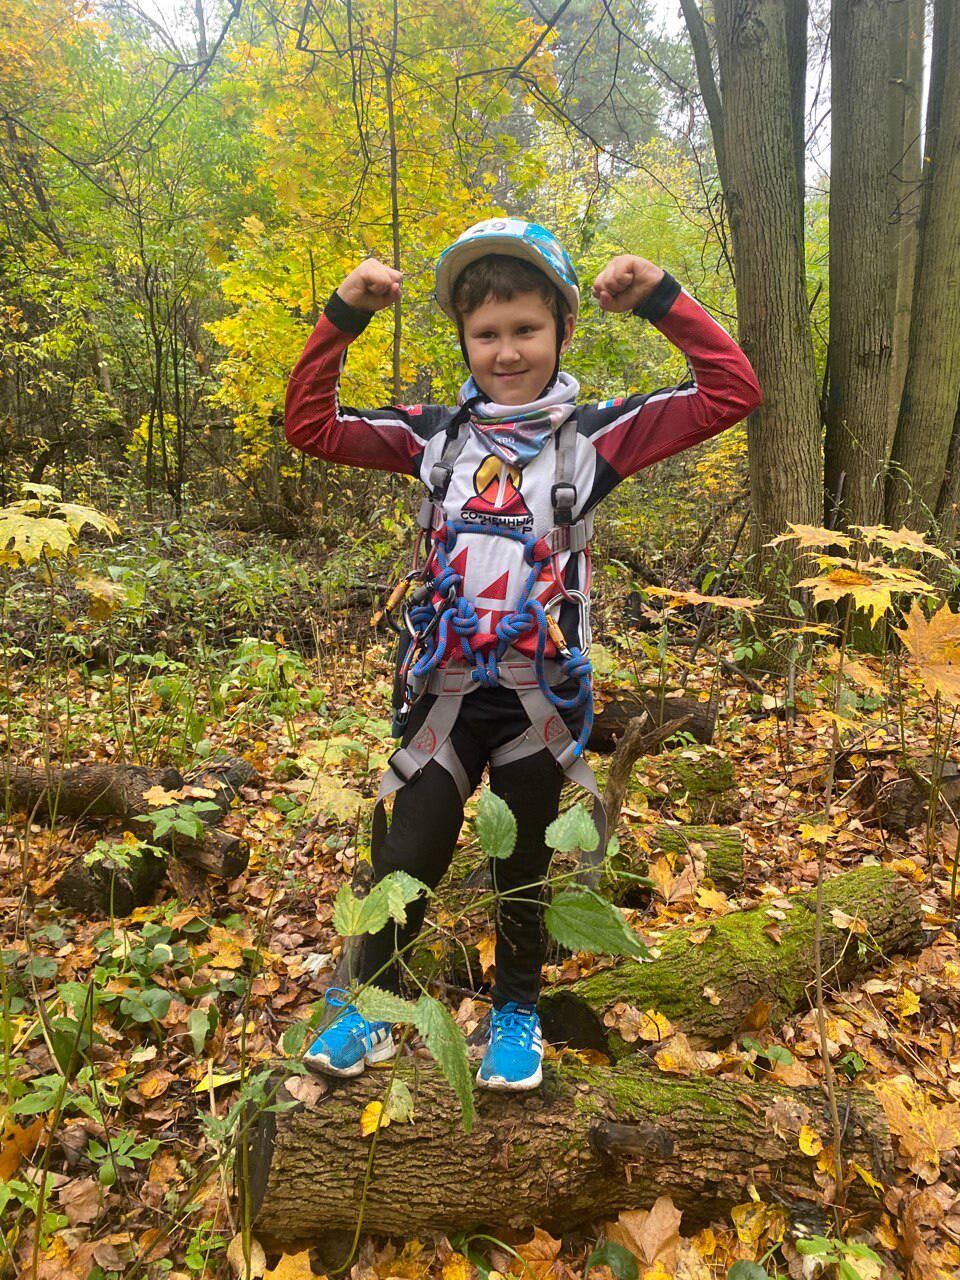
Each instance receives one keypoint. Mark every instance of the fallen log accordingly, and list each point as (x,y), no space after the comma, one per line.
(84,791)
(118,791)
(699,778)
(591,1142)
(720,848)
(743,970)
(616,713)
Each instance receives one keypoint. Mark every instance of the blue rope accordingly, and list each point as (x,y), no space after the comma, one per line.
(461,615)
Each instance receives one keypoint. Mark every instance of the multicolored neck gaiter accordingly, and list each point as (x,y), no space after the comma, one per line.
(516,433)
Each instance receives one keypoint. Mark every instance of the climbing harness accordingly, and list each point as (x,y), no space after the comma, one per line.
(436,609)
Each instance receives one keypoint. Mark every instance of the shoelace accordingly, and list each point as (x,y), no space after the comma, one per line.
(515,1026)
(361,1028)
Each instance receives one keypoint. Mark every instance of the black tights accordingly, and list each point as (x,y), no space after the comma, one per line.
(426,821)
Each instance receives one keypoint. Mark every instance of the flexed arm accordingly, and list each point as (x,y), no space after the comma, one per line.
(643,429)
(388,439)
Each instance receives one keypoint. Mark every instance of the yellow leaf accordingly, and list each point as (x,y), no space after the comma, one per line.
(934,646)
(159,798)
(809,535)
(486,950)
(868,1178)
(676,597)
(809,1141)
(712,900)
(215,1080)
(17,1142)
(908,1003)
(457,1267)
(816,832)
(373,1118)
(923,1128)
(655,1026)
(902,539)
(292,1266)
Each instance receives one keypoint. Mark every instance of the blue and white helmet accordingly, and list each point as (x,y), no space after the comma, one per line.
(514,238)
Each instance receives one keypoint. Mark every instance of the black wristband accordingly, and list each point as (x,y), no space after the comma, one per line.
(656,305)
(347,318)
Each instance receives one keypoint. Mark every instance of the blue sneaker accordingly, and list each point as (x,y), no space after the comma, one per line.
(350,1042)
(515,1052)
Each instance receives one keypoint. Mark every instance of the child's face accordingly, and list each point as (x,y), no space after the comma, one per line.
(512,347)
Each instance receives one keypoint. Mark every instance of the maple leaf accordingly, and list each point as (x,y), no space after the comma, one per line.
(538,1257)
(924,1129)
(292,1266)
(902,539)
(810,535)
(934,646)
(678,597)
(158,797)
(652,1235)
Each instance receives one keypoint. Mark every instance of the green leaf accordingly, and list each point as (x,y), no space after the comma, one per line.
(383,1006)
(573,830)
(747,1271)
(583,921)
(848,1271)
(293,1038)
(399,1103)
(398,890)
(620,1261)
(496,826)
(445,1041)
(816,1246)
(198,1026)
(353,916)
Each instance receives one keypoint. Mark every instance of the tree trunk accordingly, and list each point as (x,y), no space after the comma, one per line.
(719,848)
(861,301)
(929,403)
(905,158)
(592,1142)
(948,508)
(739,975)
(763,200)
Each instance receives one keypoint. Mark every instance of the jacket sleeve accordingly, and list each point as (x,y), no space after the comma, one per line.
(639,430)
(388,439)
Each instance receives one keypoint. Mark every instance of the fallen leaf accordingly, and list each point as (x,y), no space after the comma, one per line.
(539,1256)
(158,798)
(80,1200)
(923,1128)
(373,1118)
(235,1257)
(306,1089)
(810,1141)
(17,1142)
(292,1266)
(652,1235)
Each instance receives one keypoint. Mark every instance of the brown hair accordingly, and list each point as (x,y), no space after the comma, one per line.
(498,276)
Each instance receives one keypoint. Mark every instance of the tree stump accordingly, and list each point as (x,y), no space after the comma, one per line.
(591,1142)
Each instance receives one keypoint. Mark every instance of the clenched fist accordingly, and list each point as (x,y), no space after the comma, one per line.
(625,282)
(371,286)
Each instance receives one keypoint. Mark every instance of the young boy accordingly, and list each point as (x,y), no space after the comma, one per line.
(497,674)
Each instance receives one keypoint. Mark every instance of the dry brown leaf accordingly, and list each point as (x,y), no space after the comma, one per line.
(678,1057)
(924,1129)
(539,1256)
(155,1083)
(80,1200)
(486,950)
(239,1265)
(158,798)
(652,1235)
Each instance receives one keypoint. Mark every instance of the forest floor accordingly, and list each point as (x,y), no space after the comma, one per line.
(118,1160)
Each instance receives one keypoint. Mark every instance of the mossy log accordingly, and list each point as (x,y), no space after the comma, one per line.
(700,778)
(84,791)
(592,1141)
(738,976)
(617,712)
(720,848)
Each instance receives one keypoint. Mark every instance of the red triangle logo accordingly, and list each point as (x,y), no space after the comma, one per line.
(497,590)
(459,563)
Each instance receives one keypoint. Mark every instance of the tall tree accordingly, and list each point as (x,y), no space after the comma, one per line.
(905,163)
(929,403)
(758,134)
(861,300)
